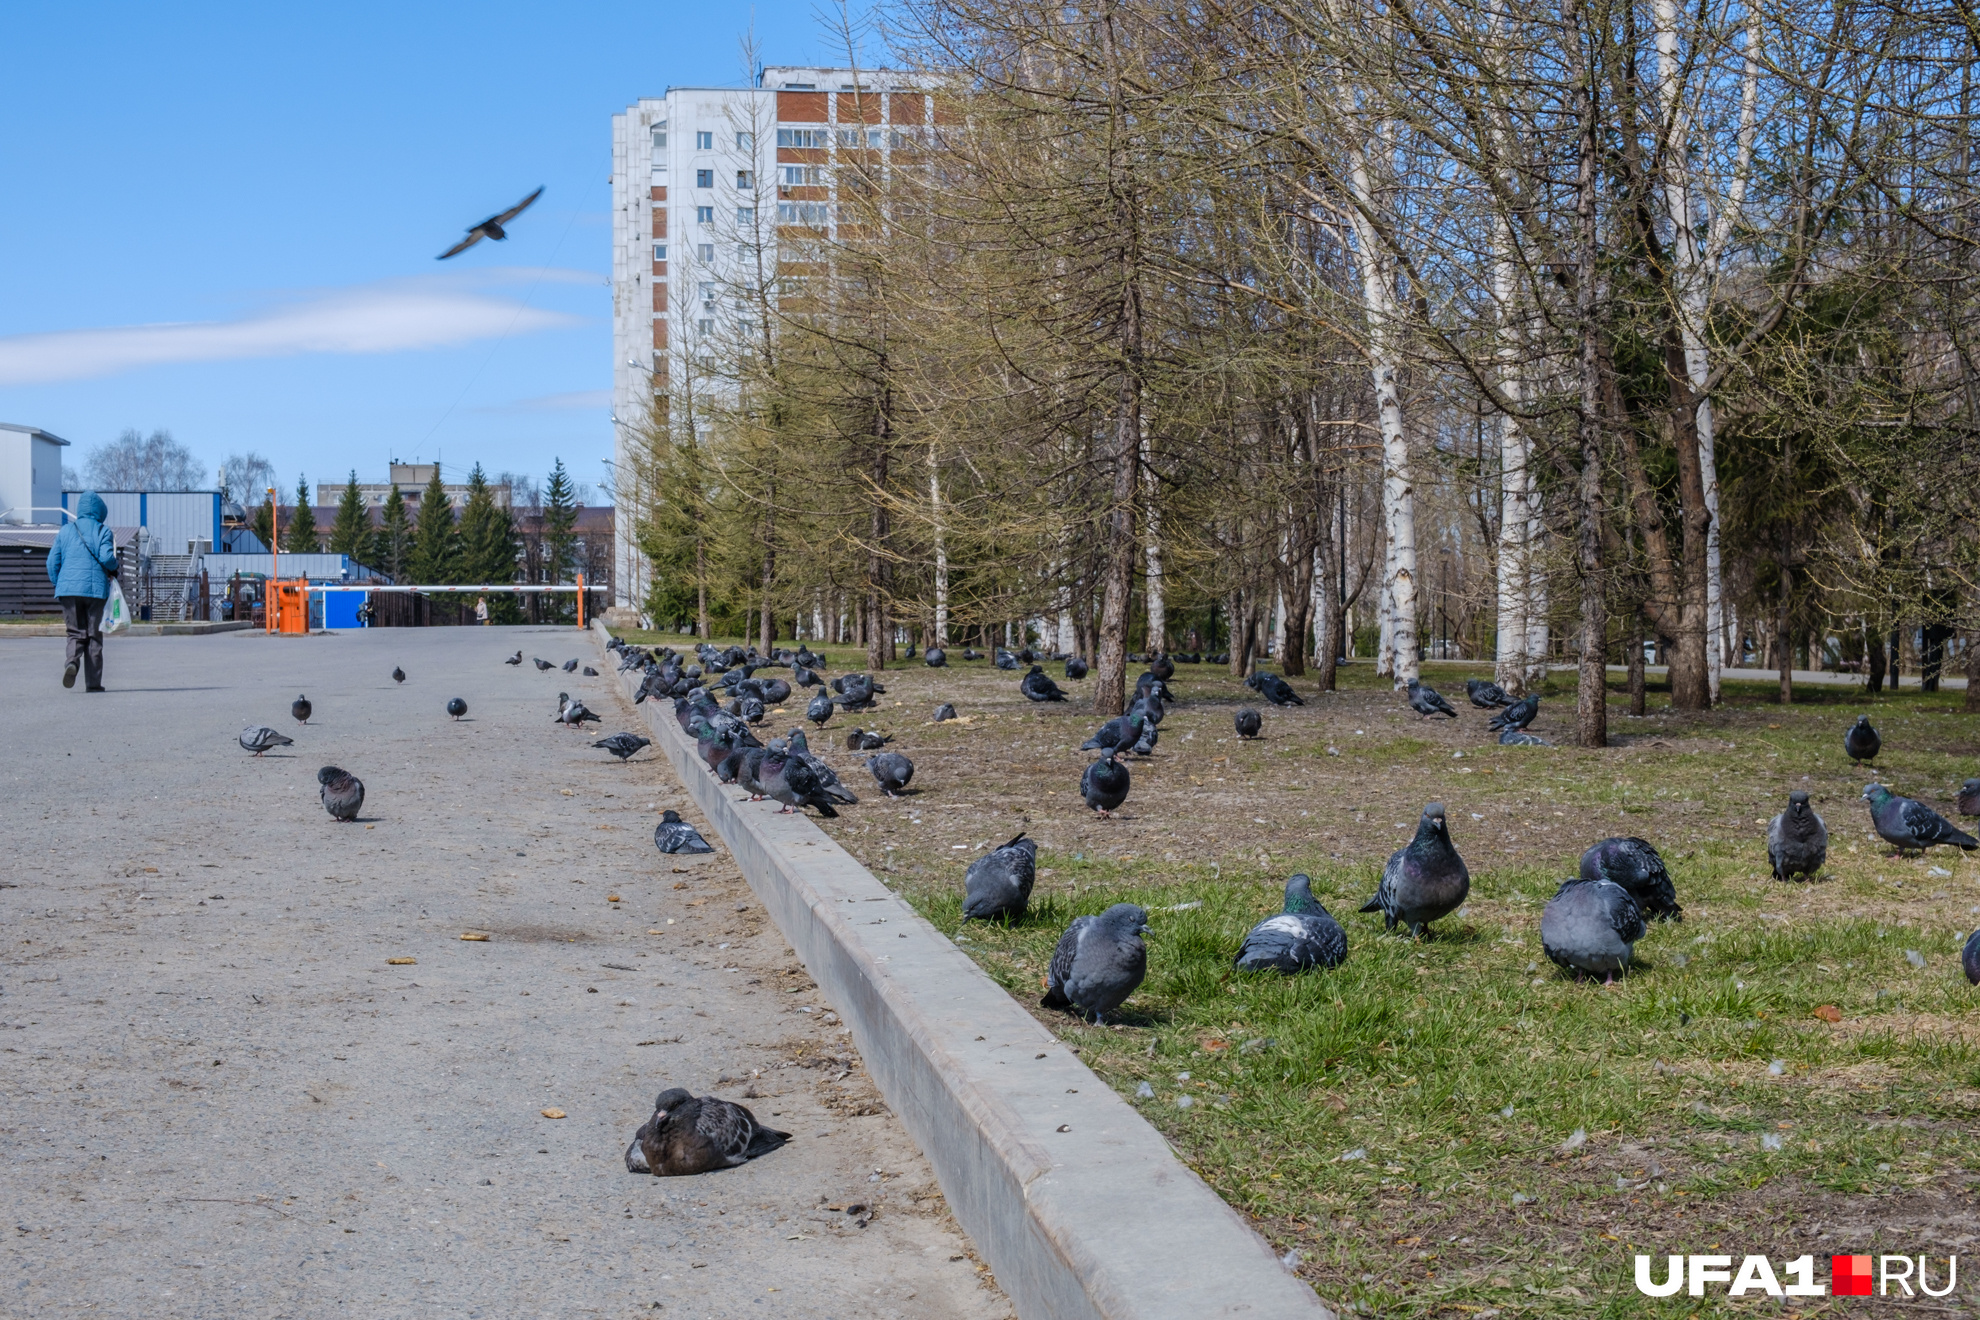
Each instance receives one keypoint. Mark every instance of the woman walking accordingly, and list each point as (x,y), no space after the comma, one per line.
(81,564)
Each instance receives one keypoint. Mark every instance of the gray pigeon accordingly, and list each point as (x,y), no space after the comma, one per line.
(541,664)
(623,745)
(300,708)
(259,738)
(1591,926)
(1076,669)
(1860,741)
(589,672)
(1098,963)
(935,657)
(1248,722)
(891,771)
(1304,935)
(867,740)
(1428,701)
(1145,745)
(687,1136)
(1907,823)
(515,659)
(945,711)
(1797,840)
(1969,958)
(998,884)
(1117,734)
(1274,689)
(1516,716)
(820,709)
(570,666)
(827,777)
(1969,798)
(456,707)
(1638,867)
(1521,738)
(1424,880)
(674,835)
(1104,786)
(342,792)
(1484,695)
(787,778)
(398,674)
(1038,687)
(574,714)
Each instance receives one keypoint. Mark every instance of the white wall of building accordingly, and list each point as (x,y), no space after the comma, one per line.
(30,474)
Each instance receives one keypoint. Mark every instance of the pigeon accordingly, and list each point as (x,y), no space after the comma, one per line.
(891,771)
(1162,667)
(751,710)
(1117,734)
(688,1136)
(1303,936)
(867,740)
(971,653)
(711,745)
(1797,840)
(1423,881)
(1038,687)
(1591,926)
(775,691)
(820,709)
(491,227)
(541,665)
(945,711)
(1274,689)
(1521,738)
(1516,716)
(1969,798)
(1148,705)
(674,835)
(515,659)
(623,745)
(456,707)
(1484,695)
(1105,784)
(787,778)
(342,792)
(935,657)
(1860,741)
(1428,701)
(574,714)
(1004,659)
(1076,669)
(909,653)
(1635,864)
(805,677)
(1150,686)
(1908,823)
(1248,722)
(828,778)
(259,738)
(398,674)
(1098,962)
(998,884)
(570,666)
(300,708)
(589,672)
(1969,958)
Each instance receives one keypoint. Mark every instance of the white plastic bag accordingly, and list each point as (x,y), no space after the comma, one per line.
(116,614)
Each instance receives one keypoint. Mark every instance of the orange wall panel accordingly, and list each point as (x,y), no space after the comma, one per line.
(656,194)
(906,108)
(802,107)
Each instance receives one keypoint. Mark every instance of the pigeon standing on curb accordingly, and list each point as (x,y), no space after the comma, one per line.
(342,792)
(259,738)
(1098,962)
(1591,926)
(1428,701)
(1424,880)
(1636,865)
(1304,935)
(789,780)
(1907,823)
(674,835)
(998,884)
(688,1136)
(1861,742)
(1797,840)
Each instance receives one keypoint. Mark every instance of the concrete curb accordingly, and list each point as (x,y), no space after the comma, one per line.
(190,629)
(1076,1203)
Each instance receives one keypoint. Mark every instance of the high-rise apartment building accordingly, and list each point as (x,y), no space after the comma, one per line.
(703,180)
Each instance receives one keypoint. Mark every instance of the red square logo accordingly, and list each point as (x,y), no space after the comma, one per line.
(1849,1276)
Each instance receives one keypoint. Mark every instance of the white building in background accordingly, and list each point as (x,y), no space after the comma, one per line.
(703,179)
(30,474)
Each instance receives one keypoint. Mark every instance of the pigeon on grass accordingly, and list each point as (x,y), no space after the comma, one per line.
(1424,880)
(1797,840)
(891,771)
(1906,823)
(998,884)
(1303,936)
(1104,786)
(1484,695)
(1636,865)
(1247,722)
(1038,687)
(1117,734)
(1861,742)
(1098,963)
(1591,927)
(945,711)
(1516,716)
(1274,689)
(1427,701)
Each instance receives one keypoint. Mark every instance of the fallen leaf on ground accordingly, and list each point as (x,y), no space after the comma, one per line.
(400,962)
(552,1113)
(472,935)
(1829,1013)
(611,898)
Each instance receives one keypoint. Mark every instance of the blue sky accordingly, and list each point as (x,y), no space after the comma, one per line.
(222,220)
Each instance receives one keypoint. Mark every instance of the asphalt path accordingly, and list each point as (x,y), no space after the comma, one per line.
(219,1097)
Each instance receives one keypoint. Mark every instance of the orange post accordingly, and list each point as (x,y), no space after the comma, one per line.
(580,600)
(274,549)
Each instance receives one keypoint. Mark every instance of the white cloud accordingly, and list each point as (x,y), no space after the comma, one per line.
(573,401)
(388,317)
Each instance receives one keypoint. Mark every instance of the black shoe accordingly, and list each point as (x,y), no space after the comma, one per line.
(69,674)
(96,689)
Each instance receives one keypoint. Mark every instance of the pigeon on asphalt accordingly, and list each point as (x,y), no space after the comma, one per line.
(1797,840)
(541,665)
(674,835)
(1248,722)
(1484,695)
(1516,716)
(1076,669)
(867,740)
(786,777)
(1428,701)
(1424,880)
(1304,935)
(1969,958)
(820,709)
(1274,689)
(998,884)
(259,738)
(891,771)
(300,708)
(515,659)
(1860,741)
(1098,963)
(688,1136)
(1105,784)
(456,707)
(1969,798)
(1038,687)
(1591,926)
(491,228)
(570,666)
(945,711)
(574,714)
(1635,864)
(589,672)
(1117,734)
(1908,823)
(342,793)
(935,657)
(398,674)
(623,745)
(1521,738)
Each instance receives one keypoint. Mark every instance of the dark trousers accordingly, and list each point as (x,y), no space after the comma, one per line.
(83,616)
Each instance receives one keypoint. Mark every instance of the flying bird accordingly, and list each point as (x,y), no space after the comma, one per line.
(688,1136)
(1424,880)
(300,708)
(998,884)
(342,792)
(1304,935)
(490,228)
(1797,840)
(674,835)
(456,707)
(1908,823)
(259,738)
(1098,962)
(1591,926)
(1860,741)
(623,745)
(1636,865)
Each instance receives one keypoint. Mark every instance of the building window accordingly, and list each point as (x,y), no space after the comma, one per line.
(705,328)
(707,294)
(705,252)
(814,214)
(745,325)
(660,139)
(659,251)
(704,178)
(745,179)
(704,142)
(745,142)
(804,137)
(803,176)
(704,215)
(853,137)
(745,215)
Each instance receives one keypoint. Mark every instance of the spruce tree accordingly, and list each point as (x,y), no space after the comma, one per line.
(299,537)
(436,547)
(559,535)
(488,544)
(263,523)
(351,533)
(395,537)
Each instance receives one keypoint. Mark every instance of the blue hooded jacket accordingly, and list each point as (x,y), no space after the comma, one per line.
(84,554)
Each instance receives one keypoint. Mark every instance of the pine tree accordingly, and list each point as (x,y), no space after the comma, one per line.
(489,549)
(299,537)
(395,537)
(351,533)
(559,535)
(263,522)
(436,547)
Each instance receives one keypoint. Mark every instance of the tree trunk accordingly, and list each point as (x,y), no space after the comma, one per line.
(1971,705)
(1636,665)
(1327,633)
(1691,680)
(941,552)
(767,632)
(1156,589)
(1591,697)
(700,589)
(1783,642)
(1873,658)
